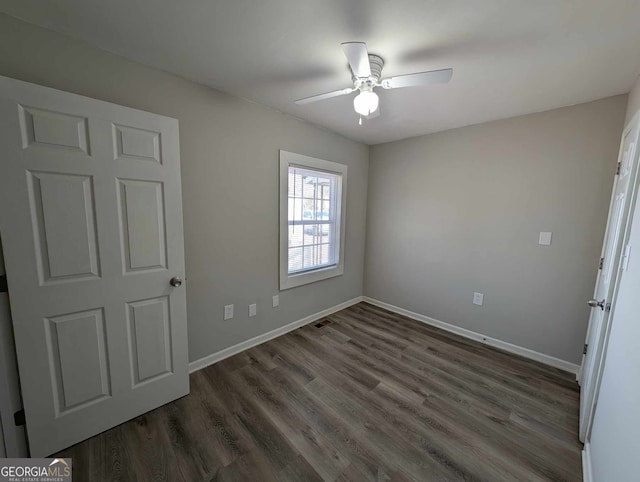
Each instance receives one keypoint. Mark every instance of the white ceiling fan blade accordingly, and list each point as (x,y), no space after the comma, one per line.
(358,57)
(420,78)
(327,95)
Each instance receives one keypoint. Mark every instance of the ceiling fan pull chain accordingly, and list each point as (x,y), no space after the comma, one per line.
(360,121)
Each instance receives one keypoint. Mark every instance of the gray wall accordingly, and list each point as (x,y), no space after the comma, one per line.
(614,438)
(460,211)
(464,206)
(633,105)
(229,150)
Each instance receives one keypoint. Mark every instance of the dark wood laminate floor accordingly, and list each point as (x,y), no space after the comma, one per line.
(369,396)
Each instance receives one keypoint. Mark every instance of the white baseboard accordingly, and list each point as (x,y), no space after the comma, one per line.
(503,345)
(245,345)
(587,474)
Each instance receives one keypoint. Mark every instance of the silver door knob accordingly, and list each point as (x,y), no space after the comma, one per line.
(596,304)
(175,282)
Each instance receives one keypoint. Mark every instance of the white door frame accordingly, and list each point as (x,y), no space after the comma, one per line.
(586,421)
(13,437)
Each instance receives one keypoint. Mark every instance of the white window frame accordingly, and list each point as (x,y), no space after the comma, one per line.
(288,159)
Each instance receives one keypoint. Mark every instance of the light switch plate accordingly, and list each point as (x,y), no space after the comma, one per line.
(276,300)
(545,238)
(478,299)
(252,310)
(228,312)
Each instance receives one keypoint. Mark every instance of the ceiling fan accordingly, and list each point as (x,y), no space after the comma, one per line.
(366,72)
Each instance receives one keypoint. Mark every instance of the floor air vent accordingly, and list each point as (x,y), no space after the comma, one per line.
(322,323)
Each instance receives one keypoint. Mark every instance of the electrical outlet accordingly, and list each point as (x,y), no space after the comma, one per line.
(276,300)
(228,312)
(478,299)
(252,309)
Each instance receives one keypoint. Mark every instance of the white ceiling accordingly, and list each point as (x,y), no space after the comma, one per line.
(510,57)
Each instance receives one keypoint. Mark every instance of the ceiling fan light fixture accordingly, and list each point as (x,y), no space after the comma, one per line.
(366,102)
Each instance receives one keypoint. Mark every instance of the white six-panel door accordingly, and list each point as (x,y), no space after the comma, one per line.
(91,222)
(608,277)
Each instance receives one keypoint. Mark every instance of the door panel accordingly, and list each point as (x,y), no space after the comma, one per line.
(142,224)
(53,129)
(136,144)
(78,353)
(90,203)
(62,208)
(149,331)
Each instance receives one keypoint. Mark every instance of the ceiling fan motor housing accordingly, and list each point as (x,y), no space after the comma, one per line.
(375,63)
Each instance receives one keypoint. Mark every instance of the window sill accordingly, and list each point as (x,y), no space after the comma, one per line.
(291,281)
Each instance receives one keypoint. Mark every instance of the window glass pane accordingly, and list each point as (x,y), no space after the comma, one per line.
(290,207)
(295,259)
(309,213)
(311,258)
(317,233)
(295,183)
(296,211)
(323,210)
(326,192)
(326,210)
(327,253)
(309,189)
(295,235)
(311,217)
(317,256)
(310,234)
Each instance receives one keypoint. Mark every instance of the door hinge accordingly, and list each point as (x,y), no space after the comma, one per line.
(19,418)
(601,263)
(618,169)
(584,350)
(4,288)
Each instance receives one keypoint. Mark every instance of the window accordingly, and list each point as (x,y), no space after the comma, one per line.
(312,212)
